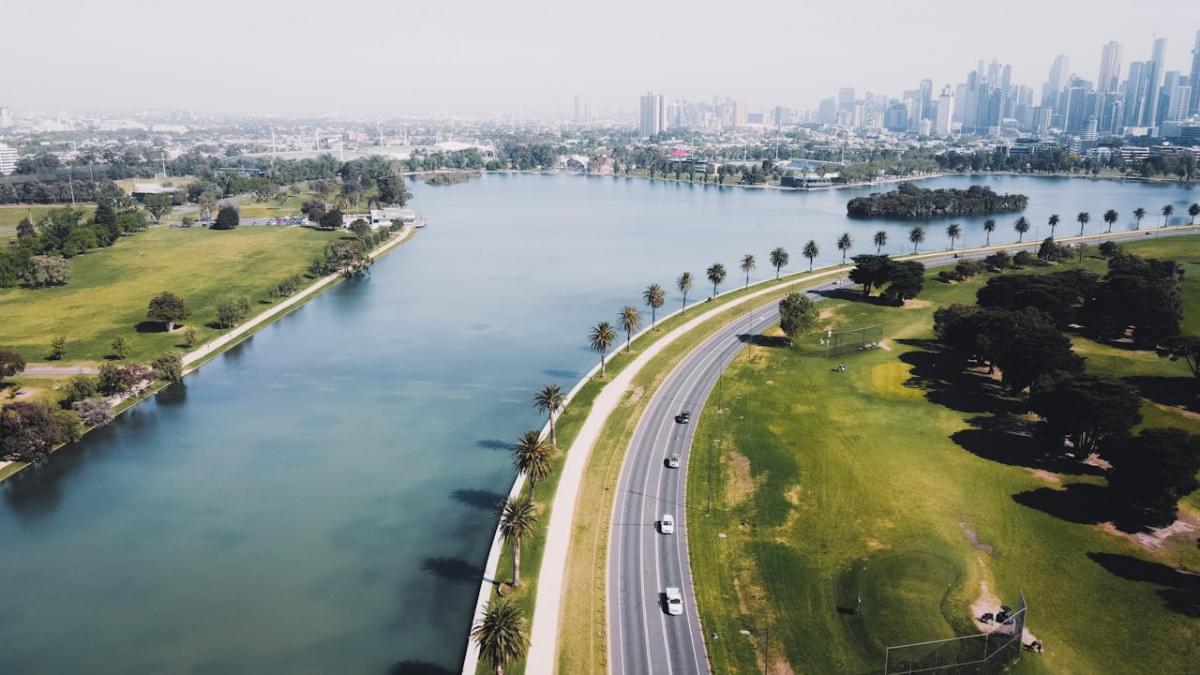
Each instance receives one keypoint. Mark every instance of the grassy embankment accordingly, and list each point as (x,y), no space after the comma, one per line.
(11,214)
(595,497)
(110,289)
(878,483)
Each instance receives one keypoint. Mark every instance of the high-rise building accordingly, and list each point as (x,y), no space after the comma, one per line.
(8,160)
(653,119)
(1153,81)
(1135,93)
(1194,78)
(846,99)
(927,98)
(5,117)
(827,111)
(1110,68)
(1058,79)
(1177,109)
(945,112)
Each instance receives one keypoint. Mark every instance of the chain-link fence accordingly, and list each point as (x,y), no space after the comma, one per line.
(853,340)
(988,652)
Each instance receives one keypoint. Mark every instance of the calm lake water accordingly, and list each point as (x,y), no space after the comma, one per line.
(317,500)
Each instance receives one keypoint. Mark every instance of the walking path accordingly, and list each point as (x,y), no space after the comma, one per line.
(542,656)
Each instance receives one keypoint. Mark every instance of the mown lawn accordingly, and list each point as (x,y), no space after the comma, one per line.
(110,288)
(876,485)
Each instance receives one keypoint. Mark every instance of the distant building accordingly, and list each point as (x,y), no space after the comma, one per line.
(5,117)
(653,119)
(8,160)
(945,112)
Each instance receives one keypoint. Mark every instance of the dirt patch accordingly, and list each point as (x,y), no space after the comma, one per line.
(793,495)
(885,345)
(1098,462)
(740,485)
(635,395)
(988,603)
(1049,476)
(874,545)
(915,303)
(1179,410)
(973,537)
(778,665)
(1187,526)
(826,314)
(737,588)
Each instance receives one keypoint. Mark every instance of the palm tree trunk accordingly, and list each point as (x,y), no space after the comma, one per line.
(517,556)
(684,303)
(653,319)
(747,280)
(988,242)
(553,431)
(810,264)
(628,340)
(603,370)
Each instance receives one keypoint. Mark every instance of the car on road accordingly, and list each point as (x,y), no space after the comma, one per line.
(673,461)
(674,601)
(667,524)
(683,417)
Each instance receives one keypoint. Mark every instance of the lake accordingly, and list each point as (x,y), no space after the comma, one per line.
(319,498)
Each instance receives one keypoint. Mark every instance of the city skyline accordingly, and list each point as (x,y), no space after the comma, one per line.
(527,58)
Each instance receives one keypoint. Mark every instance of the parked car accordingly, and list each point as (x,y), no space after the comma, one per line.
(673,461)
(667,524)
(684,417)
(674,601)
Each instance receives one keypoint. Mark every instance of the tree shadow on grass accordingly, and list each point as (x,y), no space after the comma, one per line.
(853,295)
(938,373)
(415,667)
(150,327)
(1081,503)
(764,340)
(484,500)
(1007,439)
(455,570)
(1180,591)
(1171,391)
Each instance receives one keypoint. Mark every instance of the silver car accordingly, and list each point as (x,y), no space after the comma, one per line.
(674,601)
(673,461)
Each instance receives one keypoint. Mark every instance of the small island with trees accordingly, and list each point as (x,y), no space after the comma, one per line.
(911,202)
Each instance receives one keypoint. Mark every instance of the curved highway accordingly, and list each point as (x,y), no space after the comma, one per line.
(642,561)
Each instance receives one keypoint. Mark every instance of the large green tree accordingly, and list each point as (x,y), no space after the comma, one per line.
(797,314)
(228,218)
(1152,471)
(167,308)
(1086,410)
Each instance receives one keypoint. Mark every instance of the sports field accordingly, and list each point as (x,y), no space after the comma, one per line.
(835,513)
(110,288)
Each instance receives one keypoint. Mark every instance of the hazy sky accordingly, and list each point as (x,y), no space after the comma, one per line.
(534,56)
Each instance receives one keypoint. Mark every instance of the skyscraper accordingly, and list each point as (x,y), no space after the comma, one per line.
(927,95)
(1194,78)
(1153,82)
(846,99)
(653,119)
(1058,79)
(1110,68)
(945,111)
(5,117)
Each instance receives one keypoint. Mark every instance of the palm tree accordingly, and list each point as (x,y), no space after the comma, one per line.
(1082,219)
(501,634)
(954,232)
(1193,211)
(880,241)
(1110,217)
(1167,211)
(916,235)
(844,243)
(1053,223)
(517,519)
(1021,226)
(1139,213)
(654,297)
(779,259)
(989,226)
(549,401)
(532,457)
(602,338)
(684,284)
(811,252)
(748,264)
(715,274)
(630,320)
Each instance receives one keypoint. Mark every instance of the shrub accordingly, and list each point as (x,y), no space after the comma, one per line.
(1110,249)
(48,270)
(29,431)
(81,387)
(190,336)
(168,367)
(120,347)
(228,218)
(232,312)
(114,379)
(11,363)
(93,412)
(1023,259)
(998,261)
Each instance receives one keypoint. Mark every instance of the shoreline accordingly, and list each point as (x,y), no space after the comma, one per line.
(195,359)
(546,651)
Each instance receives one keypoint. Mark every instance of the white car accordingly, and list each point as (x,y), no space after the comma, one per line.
(674,601)
(667,524)
(673,461)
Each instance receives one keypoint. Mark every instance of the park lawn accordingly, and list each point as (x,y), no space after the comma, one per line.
(12,214)
(828,487)
(127,184)
(110,288)
(272,209)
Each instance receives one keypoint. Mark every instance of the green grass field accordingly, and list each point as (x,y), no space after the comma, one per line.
(874,483)
(10,215)
(111,287)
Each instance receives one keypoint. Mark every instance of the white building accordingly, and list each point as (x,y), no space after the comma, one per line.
(8,160)
(653,119)
(945,112)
